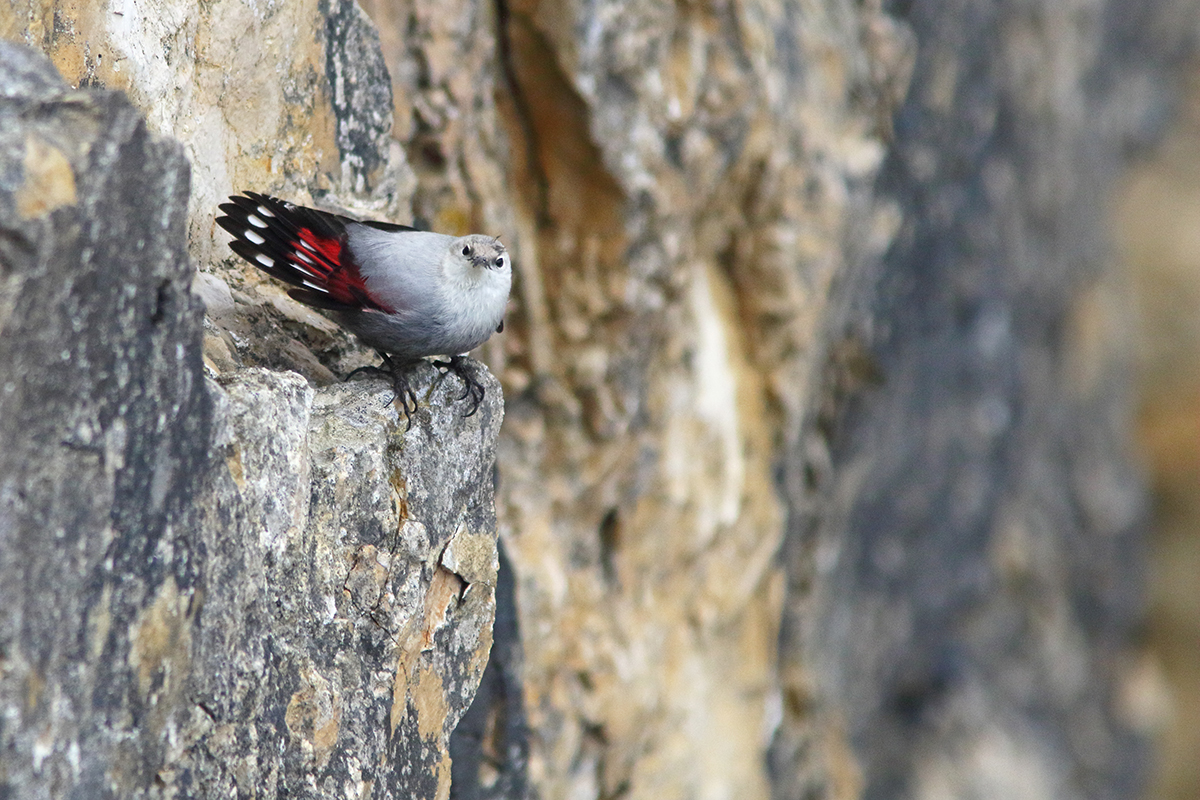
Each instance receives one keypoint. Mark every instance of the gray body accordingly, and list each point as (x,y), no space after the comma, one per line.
(445,302)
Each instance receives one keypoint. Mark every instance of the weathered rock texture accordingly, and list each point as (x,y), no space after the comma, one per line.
(248,589)
(973,575)
(708,355)
(347,615)
(105,429)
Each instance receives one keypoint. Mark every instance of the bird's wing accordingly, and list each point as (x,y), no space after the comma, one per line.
(302,246)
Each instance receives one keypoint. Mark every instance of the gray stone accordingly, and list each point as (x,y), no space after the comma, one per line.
(104,430)
(241,587)
(967,523)
(334,644)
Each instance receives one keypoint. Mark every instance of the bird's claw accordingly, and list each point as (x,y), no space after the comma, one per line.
(471,387)
(400,388)
(403,392)
(367,370)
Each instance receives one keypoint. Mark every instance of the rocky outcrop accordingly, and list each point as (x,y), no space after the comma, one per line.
(104,436)
(347,613)
(763,304)
(233,587)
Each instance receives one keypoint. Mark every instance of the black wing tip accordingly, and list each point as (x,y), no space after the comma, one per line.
(236,207)
(317,299)
(393,227)
(248,202)
(250,253)
(231,224)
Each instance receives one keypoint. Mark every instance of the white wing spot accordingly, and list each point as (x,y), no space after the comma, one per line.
(300,255)
(303,243)
(264,260)
(266,212)
(305,270)
(254,237)
(320,289)
(255,221)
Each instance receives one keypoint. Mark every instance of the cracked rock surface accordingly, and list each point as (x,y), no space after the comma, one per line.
(235,587)
(812,480)
(354,567)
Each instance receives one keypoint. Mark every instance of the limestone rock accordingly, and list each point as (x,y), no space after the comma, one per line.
(749,526)
(245,587)
(104,429)
(968,522)
(339,642)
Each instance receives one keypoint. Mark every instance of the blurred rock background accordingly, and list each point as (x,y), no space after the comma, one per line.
(815,474)
(1156,214)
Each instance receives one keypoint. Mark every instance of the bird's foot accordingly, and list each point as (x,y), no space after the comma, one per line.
(369,370)
(402,391)
(472,388)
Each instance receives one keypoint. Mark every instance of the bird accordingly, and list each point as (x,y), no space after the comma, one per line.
(407,293)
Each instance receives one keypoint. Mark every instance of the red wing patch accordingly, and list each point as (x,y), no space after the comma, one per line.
(339,277)
(331,249)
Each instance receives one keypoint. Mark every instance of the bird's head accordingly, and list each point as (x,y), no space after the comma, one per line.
(480,252)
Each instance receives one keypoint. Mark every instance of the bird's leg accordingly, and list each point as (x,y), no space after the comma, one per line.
(404,392)
(472,388)
(398,373)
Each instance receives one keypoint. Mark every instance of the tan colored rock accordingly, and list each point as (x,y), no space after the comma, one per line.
(689,191)
(676,203)
(678,300)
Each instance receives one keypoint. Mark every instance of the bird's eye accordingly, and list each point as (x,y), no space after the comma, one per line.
(500,261)
(466,250)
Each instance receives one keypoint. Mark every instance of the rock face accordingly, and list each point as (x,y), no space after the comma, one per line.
(105,431)
(973,574)
(1153,222)
(348,611)
(247,588)
(763,305)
